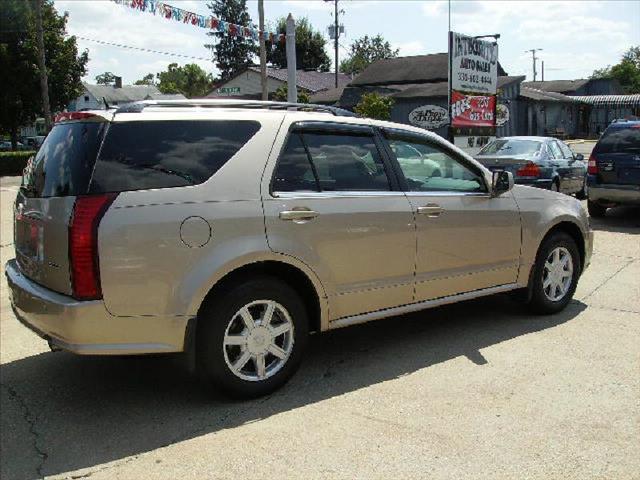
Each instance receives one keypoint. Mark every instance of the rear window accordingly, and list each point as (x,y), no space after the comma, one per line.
(65,161)
(620,140)
(504,147)
(161,154)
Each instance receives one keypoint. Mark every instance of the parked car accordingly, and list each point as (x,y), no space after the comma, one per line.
(33,143)
(614,168)
(237,228)
(6,146)
(543,162)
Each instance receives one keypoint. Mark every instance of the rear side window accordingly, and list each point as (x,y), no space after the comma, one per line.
(330,162)
(162,154)
(65,161)
(620,140)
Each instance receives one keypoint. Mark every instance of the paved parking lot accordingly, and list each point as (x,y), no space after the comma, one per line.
(476,390)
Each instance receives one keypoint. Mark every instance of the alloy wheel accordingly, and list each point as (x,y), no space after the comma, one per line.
(557,274)
(258,340)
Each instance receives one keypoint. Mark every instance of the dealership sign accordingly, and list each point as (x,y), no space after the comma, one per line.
(472,110)
(429,117)
(474,64)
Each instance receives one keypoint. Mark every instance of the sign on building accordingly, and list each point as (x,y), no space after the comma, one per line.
(228,90)
(429,117)
(502,114)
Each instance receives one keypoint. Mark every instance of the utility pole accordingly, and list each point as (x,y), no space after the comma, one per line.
(263,52)
(292,84)
(336,35)
(533,54)
(543,70)
(42,66)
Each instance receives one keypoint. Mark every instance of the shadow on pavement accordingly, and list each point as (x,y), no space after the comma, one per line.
(618,220)
(84,411)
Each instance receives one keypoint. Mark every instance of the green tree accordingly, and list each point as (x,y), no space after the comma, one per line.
(189,80)
(148,79)
(280,95)
(231,54)
(627,72)
(374,105)
(310,51)
(364,51)
(20,82)
(106,78)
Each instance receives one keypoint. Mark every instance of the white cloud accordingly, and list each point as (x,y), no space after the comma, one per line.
(408,49)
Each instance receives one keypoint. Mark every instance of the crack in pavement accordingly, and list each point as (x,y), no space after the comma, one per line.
(31,421)
(609,279)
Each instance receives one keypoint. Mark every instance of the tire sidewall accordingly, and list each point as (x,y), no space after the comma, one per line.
(212,324)
(539,300)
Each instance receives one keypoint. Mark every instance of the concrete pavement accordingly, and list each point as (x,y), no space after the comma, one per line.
(475,390)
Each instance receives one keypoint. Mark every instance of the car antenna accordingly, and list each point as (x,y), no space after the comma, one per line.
(106,105)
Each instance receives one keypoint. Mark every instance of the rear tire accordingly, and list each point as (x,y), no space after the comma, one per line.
(555,275)
(250,361)
(555,186)
(596,210)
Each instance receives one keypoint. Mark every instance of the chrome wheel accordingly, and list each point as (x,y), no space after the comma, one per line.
(557,274)
(258,340)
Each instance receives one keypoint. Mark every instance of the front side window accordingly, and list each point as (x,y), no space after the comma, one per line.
(555,150)
(566,151)
(429,168)
(318,161)
(141,155)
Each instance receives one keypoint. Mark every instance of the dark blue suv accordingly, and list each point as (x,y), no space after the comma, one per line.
(614,168)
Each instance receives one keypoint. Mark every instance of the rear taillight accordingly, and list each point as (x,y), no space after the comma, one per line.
(83,245)
(592,166)
(531,169)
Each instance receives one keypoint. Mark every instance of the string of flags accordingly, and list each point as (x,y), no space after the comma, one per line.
(170,12)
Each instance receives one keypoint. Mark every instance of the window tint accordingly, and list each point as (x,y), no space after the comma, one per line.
(294,172)
(159,154)
(432,168)
(554,150)
(619,140)
(508,147)
(65,161)
(338,163)
(566,151)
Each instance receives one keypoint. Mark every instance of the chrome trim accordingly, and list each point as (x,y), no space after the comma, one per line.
(414,307)
(448,194)
(334,194)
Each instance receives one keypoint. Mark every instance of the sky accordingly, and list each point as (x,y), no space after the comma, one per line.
(575,36)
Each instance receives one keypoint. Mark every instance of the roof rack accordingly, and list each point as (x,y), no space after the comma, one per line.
(136,107)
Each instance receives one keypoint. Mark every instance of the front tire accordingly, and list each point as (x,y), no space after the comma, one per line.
(596,210)
(251,337)
(555,274)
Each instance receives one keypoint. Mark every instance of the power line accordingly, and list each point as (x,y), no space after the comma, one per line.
(148,50)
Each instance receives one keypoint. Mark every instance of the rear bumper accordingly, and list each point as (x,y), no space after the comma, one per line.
(613,193)
(86,327)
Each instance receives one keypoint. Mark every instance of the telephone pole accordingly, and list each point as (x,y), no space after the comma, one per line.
(336,35)
(533,54)
(42,66)
(263,52)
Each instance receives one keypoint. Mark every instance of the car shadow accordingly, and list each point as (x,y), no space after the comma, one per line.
(618,220)
(87,411)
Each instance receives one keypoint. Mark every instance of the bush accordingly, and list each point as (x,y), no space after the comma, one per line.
(374,105)
(13,163)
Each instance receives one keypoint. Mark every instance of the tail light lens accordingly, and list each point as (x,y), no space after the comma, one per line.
(531,169)
(83,245)
(592,166)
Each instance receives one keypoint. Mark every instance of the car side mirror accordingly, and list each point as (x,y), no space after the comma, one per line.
(579,157)
(501,182)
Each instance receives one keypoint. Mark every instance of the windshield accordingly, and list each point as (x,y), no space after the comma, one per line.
(620,140)
(509,147)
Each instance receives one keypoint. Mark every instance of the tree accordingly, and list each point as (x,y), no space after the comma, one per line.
(189,80)
(280,95)
(364,51)
(19,82)
(148,79)
(232,54)
(106,78)
(310,52)
(627,72)
(374,105)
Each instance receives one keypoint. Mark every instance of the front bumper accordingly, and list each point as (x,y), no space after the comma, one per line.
(86,327)
(612,193)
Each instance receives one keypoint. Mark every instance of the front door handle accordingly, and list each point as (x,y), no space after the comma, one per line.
(298,214)
(431,210)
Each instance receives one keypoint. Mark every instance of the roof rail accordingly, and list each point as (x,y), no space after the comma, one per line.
(136,107)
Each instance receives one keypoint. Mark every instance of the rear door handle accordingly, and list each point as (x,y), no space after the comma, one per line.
(298,214)
(431,210)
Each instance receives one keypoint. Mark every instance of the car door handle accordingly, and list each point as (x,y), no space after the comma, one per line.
(431,210)
(298,214)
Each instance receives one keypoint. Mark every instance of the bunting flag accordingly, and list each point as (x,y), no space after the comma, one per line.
(169,12)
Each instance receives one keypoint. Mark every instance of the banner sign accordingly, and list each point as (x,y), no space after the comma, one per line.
(474,64)
(429,117)
(472,110)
